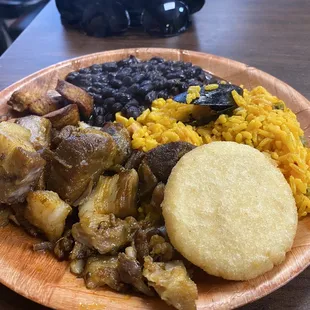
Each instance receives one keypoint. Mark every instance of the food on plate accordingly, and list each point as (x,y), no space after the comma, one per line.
(76,95)
(46,211)
(122,139)
(130,85)
(22,101)
(68,115)
(20,164)
(40,129)
(261,120)
(79,161)
(240,229)
(110,197)
(115,194)
(172,283)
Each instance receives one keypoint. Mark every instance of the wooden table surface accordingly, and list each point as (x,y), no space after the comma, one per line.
(271,35)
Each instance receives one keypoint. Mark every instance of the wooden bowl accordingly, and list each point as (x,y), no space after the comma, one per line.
(40,277)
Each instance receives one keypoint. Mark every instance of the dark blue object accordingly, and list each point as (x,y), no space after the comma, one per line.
(103,18)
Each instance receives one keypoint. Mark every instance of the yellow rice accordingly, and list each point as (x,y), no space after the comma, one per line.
(261,120)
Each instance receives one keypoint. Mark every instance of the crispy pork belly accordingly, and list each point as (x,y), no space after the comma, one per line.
(20,164)
(48,212)
(40,129)
(79,160)
(172,283)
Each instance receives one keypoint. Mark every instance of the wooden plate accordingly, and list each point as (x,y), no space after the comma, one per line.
(43,279)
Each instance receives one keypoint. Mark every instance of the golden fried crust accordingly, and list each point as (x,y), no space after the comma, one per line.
(69,115)
(76,95)
(230,211)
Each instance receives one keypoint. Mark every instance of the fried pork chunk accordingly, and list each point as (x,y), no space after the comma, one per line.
(113,194)
(48,212)
(40,129)
(23,100)
(78,162)
(172,283)
(130,272)
(101,270)
(122,139)
(20,165)
(76,95)
(105,233)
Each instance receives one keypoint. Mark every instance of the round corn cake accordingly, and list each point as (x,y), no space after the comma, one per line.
(229,210)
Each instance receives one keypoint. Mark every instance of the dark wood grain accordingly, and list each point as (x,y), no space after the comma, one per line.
(271,35)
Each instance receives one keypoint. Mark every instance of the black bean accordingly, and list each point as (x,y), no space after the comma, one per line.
(116,107)
(107,92)
(175,91)
(97,84)
(163,94)
(133,89)
(151,96)
(99,120)
(202,77)
(122,97)
(123,89)
(93,90)
(109,117)
(175,75)
(97,97)
(138,77)
(116,83)
(85,70)
(126,71)
(96,68)
(127,81)
(109,67)
(157,60)
(133,102)
(109,101)
(131,111)
(145,89)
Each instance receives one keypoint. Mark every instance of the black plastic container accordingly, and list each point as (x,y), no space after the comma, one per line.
(103,18)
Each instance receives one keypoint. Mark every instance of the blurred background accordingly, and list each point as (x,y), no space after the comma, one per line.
(15,16)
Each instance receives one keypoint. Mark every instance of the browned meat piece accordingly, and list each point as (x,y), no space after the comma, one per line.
(76,95)
(45,104)
(163,158)
(134,160)
(18,217)
(20,100)
(5,213)
(77,266)
(130,272)
(79,160)
(80,251)
(122,139)
(172,283)
(40,129)
(153,210)
(160,250)
(105,233)
(69,115)
(20,165)
(64,246)
(148,180)
(63,134)
(46,211)
(141,245)
(101,270)
(115,194)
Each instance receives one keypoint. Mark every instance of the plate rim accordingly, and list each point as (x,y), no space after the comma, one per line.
(5,93)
